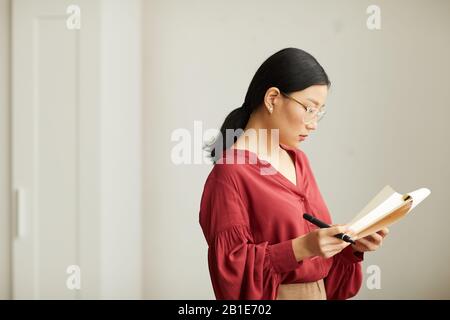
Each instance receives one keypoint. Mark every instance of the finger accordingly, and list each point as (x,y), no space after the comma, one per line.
(358,247)
(335,230)
(337,249)
(375,238)
(366,245)
(337,246)
(348,231)
(341,245)
(351,233)
(383,232)
(333,241)
(345,245)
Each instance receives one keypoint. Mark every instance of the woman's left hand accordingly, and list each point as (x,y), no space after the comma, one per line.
(371,242)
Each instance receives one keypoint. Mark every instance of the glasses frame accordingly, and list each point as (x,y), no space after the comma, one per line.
(317,113)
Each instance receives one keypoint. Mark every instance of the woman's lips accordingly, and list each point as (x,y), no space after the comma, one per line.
(302,137)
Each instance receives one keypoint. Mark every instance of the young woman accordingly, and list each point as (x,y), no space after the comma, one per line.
(251,211)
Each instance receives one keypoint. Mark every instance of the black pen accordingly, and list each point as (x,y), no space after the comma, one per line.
(322,224)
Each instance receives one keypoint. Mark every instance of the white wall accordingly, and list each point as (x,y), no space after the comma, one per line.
(120,136)
(5,285)
(387,124)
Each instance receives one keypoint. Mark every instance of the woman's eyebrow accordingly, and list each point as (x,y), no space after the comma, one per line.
(315,102)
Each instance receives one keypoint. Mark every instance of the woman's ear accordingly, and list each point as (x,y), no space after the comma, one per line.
(270,98)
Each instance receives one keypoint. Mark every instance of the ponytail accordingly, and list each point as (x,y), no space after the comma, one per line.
(233,126)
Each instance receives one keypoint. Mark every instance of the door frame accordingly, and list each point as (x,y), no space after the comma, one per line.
(5,149)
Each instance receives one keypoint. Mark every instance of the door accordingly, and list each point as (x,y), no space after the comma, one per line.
(54,138)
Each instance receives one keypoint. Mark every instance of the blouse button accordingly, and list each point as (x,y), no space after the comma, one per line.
(302,198)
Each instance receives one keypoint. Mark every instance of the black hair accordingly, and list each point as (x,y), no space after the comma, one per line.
(289,70)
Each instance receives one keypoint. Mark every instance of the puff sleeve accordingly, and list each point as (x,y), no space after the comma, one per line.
(239,267)
(345,276)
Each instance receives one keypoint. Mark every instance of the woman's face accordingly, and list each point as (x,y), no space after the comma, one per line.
(288,115)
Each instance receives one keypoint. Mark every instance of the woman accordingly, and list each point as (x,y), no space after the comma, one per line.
(251,211)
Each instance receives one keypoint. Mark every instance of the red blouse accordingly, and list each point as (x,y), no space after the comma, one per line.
(249,218)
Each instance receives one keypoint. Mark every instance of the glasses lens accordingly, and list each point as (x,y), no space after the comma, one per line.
(312,115)
(321,114)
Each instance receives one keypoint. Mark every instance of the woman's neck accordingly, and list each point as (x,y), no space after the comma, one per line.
(258,138)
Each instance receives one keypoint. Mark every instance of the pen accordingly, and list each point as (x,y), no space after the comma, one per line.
(322,224)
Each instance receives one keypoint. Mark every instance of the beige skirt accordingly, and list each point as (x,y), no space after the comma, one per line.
(302,291)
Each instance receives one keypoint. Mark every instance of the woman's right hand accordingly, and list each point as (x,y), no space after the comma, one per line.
(320,242)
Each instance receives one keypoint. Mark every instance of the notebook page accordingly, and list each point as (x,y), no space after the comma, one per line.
(392,202)
(384,194)
(418,196)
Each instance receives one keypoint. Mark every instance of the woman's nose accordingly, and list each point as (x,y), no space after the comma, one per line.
(312,125)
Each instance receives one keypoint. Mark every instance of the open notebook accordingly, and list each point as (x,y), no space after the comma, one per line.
(387,207)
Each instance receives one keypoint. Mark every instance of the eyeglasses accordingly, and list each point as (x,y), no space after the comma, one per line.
(311,113)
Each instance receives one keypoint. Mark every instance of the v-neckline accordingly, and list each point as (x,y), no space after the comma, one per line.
(294,162)
(278,174)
